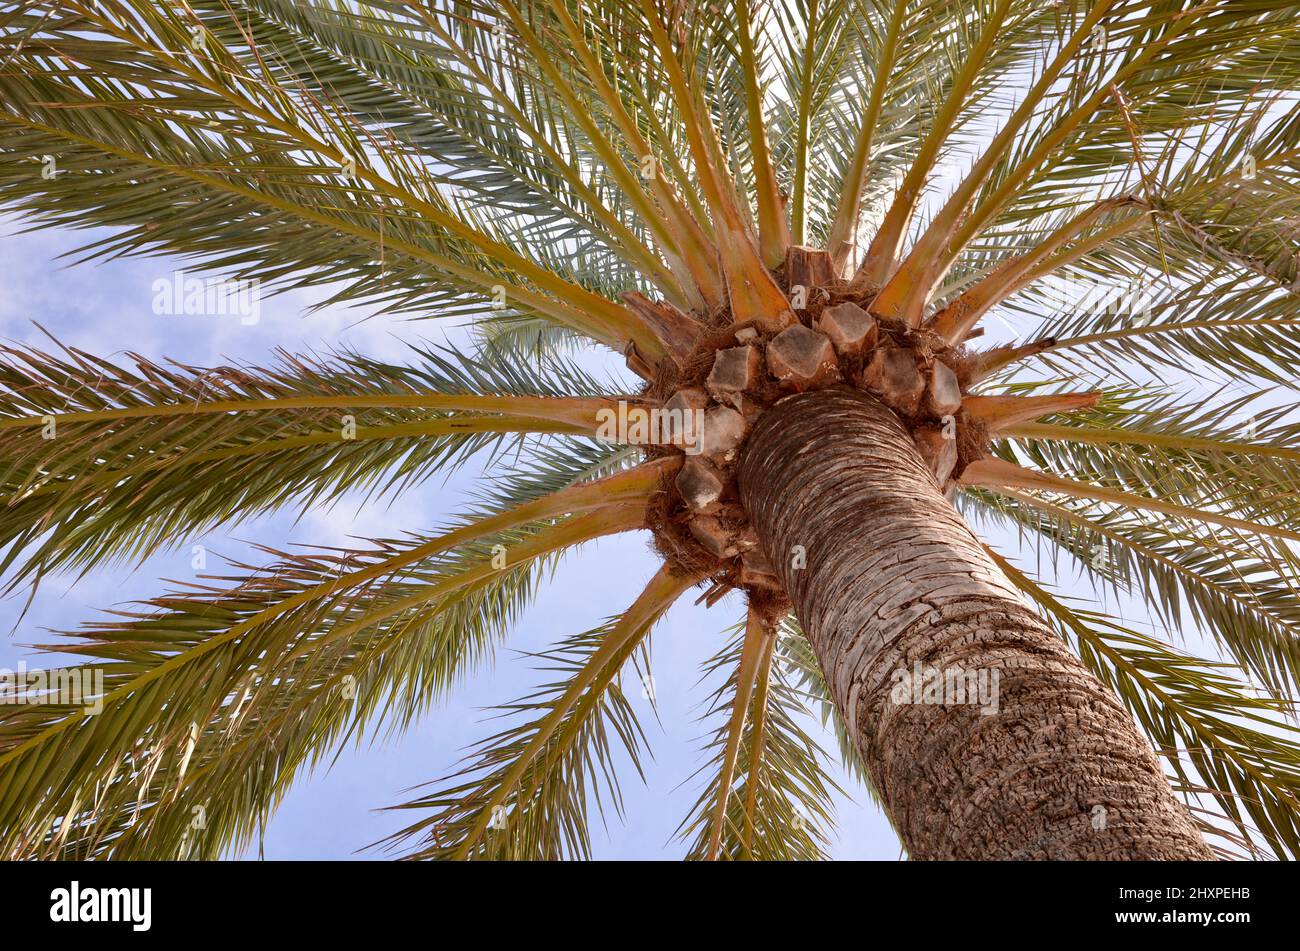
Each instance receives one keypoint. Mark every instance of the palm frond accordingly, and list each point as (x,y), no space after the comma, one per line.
(523,792)
(105,461)
(1230,456)
(197,677)
(778,798)
(312,173)
(1228,326)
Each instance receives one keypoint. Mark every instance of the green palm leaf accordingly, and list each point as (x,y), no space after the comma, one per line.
(779,795)
(106,461)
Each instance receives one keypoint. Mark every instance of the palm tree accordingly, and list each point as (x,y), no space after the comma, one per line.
(792,221)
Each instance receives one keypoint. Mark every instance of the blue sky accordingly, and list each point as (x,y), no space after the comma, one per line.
(105,308)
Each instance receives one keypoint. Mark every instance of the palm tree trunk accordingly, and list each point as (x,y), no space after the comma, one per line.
(889,582)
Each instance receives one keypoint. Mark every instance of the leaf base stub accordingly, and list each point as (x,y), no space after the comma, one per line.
(735,371)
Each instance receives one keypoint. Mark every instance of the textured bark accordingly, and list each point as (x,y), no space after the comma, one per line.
(890,575)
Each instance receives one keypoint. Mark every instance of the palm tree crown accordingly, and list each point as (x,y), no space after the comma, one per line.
(741,200)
